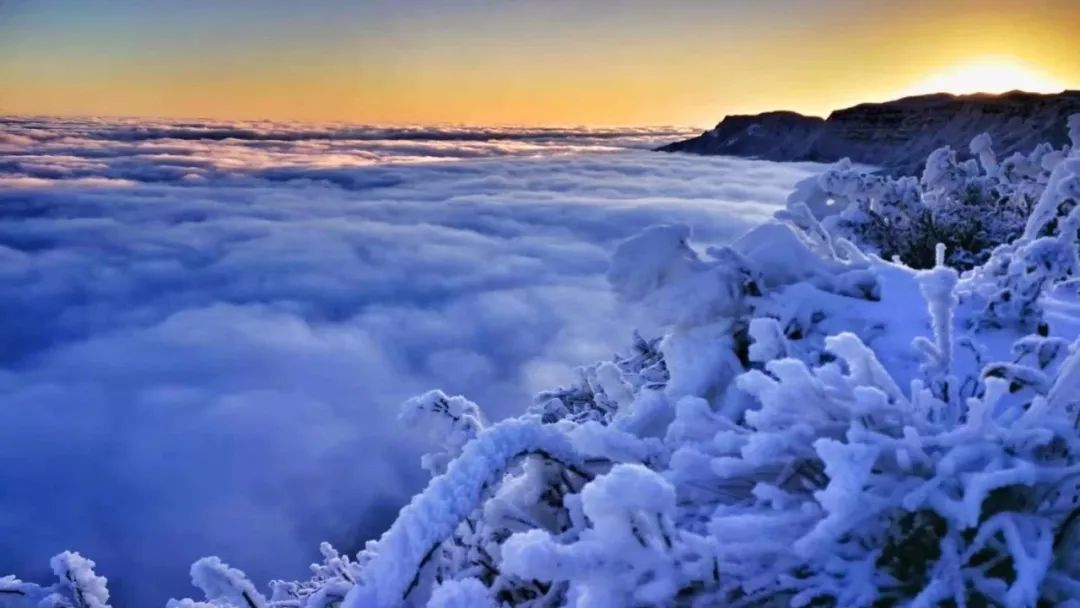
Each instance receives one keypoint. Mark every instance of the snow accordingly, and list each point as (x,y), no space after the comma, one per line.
(77,574)
(461,593)
(453,420)
(387,579)
(223,584)
(626,558)
(77,586)
(817,424)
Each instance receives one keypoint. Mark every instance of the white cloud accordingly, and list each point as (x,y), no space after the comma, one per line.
(204,340)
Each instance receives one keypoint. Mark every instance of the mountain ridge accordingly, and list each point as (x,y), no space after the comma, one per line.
(896,135)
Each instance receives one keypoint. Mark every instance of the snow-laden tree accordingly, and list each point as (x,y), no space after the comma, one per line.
(821,424)
(77,586)
(969,206)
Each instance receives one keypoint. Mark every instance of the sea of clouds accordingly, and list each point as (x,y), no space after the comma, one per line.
(207,327)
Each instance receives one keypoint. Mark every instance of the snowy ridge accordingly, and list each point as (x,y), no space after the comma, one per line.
(818,425)
(897,135)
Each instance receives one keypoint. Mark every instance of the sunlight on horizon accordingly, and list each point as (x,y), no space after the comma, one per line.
(554,63)
(986,75)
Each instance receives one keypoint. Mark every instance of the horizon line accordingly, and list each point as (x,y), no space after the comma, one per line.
(523,125)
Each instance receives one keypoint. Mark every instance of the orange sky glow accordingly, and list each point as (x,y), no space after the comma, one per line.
(681,63)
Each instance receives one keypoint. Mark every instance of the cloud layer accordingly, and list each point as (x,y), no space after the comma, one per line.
(207,328)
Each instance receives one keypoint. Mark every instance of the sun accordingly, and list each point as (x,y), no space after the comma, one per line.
(987,75)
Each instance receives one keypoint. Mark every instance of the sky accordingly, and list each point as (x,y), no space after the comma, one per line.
(683,62)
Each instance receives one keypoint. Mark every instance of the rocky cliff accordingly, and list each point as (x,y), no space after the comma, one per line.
(896,135)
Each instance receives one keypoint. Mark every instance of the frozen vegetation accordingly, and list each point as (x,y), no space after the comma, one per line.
(873,399)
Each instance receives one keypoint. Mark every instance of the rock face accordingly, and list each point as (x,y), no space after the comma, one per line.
(896,135)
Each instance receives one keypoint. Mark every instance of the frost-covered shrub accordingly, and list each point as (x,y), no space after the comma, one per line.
(1018,273)
(818,425)
(969,206)
(453,420)
(599,389)
(77,586)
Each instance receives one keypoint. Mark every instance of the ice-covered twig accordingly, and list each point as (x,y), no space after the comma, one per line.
(434,513)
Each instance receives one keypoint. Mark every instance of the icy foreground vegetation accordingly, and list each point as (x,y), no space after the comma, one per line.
(818,425)
(203,325)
